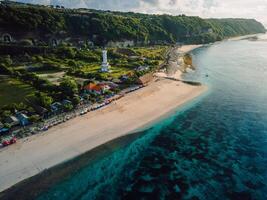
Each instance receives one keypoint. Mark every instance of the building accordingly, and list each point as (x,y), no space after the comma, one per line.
(144,80)
(6,38)
(105,65)
(142,68)
(12,121)
(122,44)
(111,85)
(66,102)
(3,129)
(99,88)
(92,87)
(39,109)
(104,87)
(23,119)
(124,77)
(55,107)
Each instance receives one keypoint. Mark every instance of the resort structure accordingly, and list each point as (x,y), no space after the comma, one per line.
(105,65)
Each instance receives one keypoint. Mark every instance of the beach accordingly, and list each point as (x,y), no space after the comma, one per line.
(244,37)
(37,153)
(188,48)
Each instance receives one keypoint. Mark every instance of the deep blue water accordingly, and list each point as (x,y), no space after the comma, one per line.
(215,148)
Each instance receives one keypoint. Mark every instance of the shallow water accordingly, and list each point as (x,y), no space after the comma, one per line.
(216,149)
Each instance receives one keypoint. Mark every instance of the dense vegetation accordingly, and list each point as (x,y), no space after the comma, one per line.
(103,26)
(30,80)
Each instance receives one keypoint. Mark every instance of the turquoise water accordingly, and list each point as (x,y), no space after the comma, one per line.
(214,149)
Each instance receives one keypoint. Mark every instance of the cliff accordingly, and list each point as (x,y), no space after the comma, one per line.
(46,24)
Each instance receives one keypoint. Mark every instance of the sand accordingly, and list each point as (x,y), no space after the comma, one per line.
(188,48)
(243,37)
(32,155)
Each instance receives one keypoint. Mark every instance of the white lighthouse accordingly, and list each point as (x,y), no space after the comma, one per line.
(105,65)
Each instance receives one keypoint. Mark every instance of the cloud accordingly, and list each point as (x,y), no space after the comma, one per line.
(203,8)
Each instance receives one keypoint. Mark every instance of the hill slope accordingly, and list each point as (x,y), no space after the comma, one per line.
(103,26)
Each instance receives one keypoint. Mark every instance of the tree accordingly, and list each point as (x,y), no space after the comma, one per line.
(6,113)
(6,60)
(68,107)
(44,99)
(76,100)
(118,26)
(86,97)
(39,58)
(6,125)
(34,118)
(20,106)
(66,52)
(72,64)
(4,69)
(69,86)
(108,92)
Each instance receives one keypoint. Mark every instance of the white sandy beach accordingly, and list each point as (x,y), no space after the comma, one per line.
(243,37)
(187,48)
(33,155)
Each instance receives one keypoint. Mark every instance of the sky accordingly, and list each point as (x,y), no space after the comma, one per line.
(256,9)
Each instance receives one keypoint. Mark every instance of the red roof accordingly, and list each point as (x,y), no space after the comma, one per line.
(93,87)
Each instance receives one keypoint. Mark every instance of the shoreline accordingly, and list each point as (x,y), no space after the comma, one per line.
(136,111)
(237,38)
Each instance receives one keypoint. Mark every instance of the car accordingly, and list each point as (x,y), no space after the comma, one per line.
(5,143)
(45,128)
(34,132)
(13,140)
(9,141)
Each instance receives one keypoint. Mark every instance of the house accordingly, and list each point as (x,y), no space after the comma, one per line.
(122,44)
(12,121)
(90,43)
(207,30)
(142,68)
(56,107)
(116,81)
(23,119)
(66,102)
(92,87)
(124,77)
(112,85)
(39,109)
(2,128)
(104,87)
(99,88)
(127,76)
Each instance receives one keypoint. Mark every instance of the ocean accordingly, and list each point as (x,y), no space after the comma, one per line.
(213,148)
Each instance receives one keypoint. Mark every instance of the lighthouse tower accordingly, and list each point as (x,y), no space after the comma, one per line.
(105,65)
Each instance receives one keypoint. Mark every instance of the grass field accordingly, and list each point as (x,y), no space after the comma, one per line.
(151,52)
(116,70)
(53,77)
(13,91)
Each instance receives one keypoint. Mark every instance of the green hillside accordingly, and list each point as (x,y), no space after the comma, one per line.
(104,26)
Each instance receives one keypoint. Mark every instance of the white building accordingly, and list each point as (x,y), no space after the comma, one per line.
(105,65)
(121,44)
